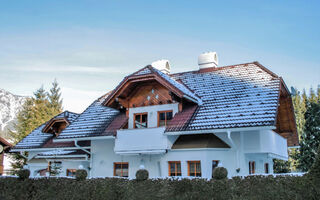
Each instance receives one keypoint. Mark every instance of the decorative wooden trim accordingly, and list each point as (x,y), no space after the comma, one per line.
(52,122)
(146,77)
(164,111)
(176,168)
(195,169)
(134,118)
(120,163)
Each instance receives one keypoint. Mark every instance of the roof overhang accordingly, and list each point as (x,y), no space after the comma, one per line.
(84,138)
(161,151)
(221,130)
(63,156)
(48,149)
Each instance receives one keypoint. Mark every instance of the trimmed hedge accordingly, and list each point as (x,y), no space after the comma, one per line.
(251,187)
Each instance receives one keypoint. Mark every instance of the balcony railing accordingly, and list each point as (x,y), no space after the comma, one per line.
(141,141)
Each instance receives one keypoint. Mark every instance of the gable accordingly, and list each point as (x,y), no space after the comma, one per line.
(37,138)
(148,76)
(285,123)
(55,126)
(150,93)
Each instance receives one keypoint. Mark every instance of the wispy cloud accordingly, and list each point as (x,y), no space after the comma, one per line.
(76,100)
(49,68)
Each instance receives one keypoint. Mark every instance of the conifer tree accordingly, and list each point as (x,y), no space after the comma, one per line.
(310,139)
(54,97)
(299,110)
(35,111)
(314,172)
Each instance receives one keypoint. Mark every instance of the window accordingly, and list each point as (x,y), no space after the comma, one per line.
(71,172)
(54,167)
(164,117)
(121,169)
(266,168)
(214,165)
(194,168)
(252,167)
(140,120)
(174,168)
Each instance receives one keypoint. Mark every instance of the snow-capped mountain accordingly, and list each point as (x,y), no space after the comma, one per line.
(10,105)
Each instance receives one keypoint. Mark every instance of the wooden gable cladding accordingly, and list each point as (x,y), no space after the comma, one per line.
(149,94)
(55,126)
(286,124)
(134,92)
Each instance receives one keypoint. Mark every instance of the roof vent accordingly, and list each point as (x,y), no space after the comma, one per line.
(208,59)
(162,65)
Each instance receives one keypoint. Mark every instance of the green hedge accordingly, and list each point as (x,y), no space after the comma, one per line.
(252,187)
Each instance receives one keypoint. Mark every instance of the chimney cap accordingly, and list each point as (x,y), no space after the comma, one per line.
(162,65)
(208,59)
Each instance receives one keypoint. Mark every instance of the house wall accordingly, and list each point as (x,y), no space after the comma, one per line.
(233,158)
(37,164)
(152,113)
(260,146)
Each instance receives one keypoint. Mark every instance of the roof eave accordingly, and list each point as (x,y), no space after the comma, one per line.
(83,138)
(220,130)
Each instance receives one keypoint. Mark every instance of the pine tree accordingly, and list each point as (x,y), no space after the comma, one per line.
(318,93)
(310,139)
(54,97)
(314,172)
(299,105)
(35,111)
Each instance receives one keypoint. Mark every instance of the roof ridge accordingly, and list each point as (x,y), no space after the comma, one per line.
(217,68)
(161,74)
(71,112)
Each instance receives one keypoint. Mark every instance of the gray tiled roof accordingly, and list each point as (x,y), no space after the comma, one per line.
(37,138)
(92,122)
(244,95)
(178,85)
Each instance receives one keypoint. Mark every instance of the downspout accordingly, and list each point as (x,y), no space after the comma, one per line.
(88,152)
(235,147)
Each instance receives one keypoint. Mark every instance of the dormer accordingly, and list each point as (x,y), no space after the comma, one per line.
(56,126)
(149,86)
(150,98)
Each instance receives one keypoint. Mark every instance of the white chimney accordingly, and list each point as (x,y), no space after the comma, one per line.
(162,65)
(208,59)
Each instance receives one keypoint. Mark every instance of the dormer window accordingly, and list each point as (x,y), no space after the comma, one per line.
(140,120)
(164,117)
(55,126)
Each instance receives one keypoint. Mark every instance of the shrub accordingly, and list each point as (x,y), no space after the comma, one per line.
(281,166)
(81,174)
(220,173)
(142,174)
(23,174)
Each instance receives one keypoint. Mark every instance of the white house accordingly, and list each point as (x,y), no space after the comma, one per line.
(183,124)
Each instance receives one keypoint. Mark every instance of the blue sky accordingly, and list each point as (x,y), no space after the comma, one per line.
(90,45)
